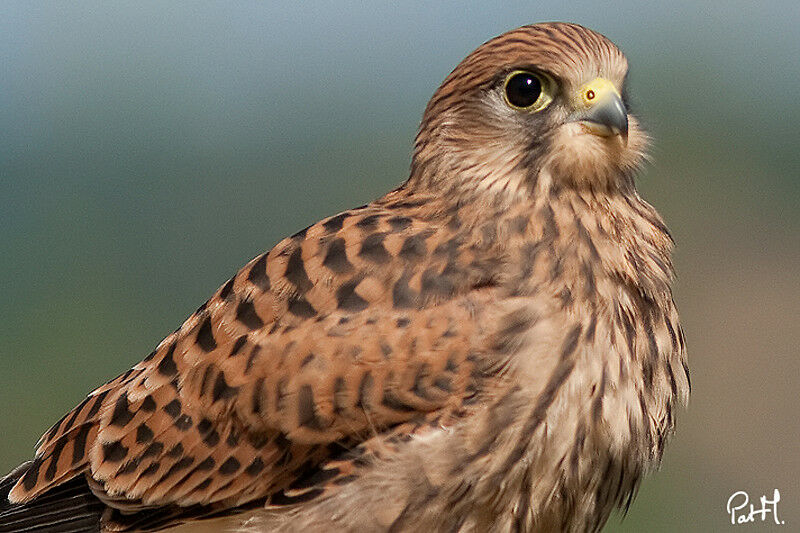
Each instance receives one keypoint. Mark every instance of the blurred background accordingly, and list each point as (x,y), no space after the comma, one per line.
(148,150)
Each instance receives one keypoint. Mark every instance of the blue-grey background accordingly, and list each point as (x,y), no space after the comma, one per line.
(149,149)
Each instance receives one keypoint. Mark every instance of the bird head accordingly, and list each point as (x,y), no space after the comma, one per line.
(537,107)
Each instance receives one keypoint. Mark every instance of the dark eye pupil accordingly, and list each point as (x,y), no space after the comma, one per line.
(523,89)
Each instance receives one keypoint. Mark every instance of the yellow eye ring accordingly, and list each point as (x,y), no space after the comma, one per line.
(527,91)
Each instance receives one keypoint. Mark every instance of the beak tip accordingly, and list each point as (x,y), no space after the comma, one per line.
(610,114)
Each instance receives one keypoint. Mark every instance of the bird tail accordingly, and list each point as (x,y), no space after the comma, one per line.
(68,508)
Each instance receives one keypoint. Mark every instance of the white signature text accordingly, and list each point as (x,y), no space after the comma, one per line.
(741,513)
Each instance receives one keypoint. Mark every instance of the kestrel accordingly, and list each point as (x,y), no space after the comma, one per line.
(492,346)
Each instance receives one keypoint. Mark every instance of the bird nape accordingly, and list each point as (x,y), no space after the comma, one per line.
(492,346)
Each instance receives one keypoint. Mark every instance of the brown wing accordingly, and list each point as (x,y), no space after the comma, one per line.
(359,323)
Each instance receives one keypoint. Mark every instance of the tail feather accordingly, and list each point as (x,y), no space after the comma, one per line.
(68,508)
(75,506)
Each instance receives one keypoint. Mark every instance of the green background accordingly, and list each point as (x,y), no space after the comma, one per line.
(148,151)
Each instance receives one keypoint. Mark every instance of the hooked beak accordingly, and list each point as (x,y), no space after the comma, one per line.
(603,112)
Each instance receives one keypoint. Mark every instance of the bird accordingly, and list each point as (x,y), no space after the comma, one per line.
(491,346)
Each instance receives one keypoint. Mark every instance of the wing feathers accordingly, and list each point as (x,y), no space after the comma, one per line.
(362,322)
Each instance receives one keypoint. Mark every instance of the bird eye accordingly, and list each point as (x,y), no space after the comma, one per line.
(526,91)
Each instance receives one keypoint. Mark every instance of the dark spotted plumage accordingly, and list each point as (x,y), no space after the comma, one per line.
(490,347)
